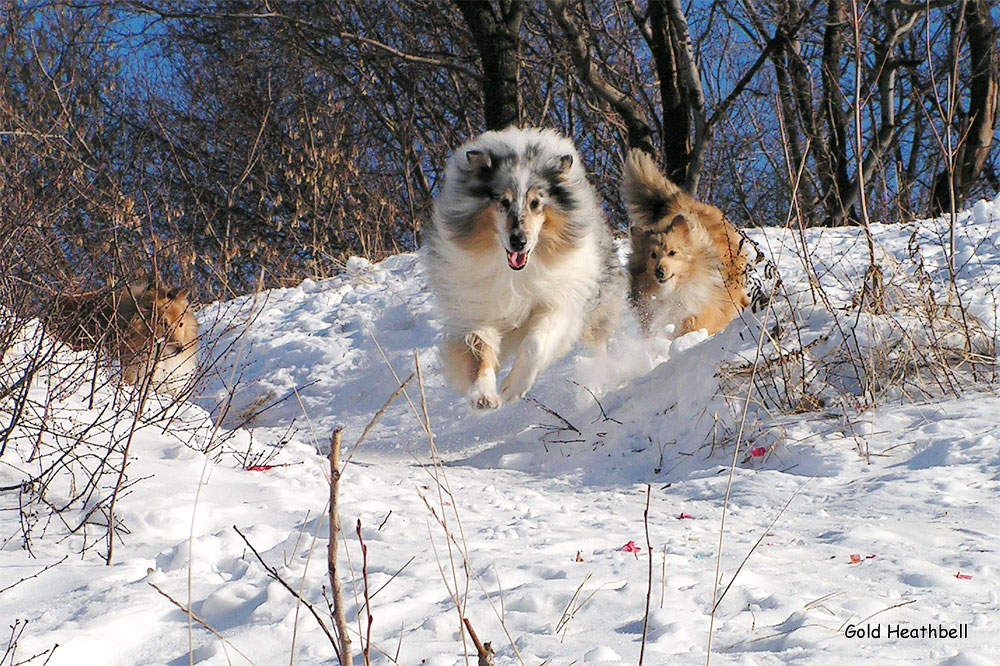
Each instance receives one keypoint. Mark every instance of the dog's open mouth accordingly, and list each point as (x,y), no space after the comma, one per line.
(517,260)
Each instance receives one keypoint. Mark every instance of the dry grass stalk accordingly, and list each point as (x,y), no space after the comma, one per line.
(573,606)
(273,573)
(187,611)
(455,544)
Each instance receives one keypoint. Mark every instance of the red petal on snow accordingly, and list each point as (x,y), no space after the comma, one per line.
(258,468)
(758,452)
(685,515)
(630,547)
(963,576)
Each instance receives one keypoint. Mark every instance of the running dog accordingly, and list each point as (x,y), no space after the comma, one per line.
(150,330)
(520,260)
(687,267)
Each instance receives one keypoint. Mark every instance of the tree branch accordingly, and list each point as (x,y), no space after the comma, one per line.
(640,134)
(411,58)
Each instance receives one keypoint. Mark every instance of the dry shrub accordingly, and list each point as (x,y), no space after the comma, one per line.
(918,342)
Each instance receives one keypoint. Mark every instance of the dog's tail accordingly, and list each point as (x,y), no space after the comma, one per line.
(647,192)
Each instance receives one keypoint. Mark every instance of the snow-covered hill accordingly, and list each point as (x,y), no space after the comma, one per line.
(522,514)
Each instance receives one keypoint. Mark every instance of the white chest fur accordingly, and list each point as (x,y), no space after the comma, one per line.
(479,289)
(673,305)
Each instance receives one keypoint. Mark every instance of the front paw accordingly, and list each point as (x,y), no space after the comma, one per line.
(484,401)
(512,390)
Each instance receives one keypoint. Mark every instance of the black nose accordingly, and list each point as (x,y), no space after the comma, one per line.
(659,273)
(517,241)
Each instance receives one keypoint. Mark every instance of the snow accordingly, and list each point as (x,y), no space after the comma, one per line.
(521,514)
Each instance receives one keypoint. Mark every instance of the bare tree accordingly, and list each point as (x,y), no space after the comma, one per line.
(496,33)
(978,125)
(288,135)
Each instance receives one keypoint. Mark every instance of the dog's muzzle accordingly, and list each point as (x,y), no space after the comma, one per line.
(165,349)
(517,240)
(517,260)
(516,257)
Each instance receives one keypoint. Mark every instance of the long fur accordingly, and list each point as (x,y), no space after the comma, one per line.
(150,330)
(528,184)
(708,266)
(160,343)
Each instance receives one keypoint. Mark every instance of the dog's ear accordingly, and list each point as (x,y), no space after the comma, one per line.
(479,161)
(178,294)
(140,283)
(136,290)
(565,164)
(681,225)
(691,229)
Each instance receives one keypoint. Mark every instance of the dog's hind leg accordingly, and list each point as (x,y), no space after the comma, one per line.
(549,335)
(603,321)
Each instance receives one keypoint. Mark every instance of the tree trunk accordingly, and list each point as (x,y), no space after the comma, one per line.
(981,122)
(793,89)
(674,95)
(498,40)
(835,148)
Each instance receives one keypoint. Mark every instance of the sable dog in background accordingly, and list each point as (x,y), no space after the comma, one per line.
(687,267)
(161,343)
(150,330)
(520,259)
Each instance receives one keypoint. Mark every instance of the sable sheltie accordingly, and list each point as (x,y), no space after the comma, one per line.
(150,330)
(520,260)
(688,266)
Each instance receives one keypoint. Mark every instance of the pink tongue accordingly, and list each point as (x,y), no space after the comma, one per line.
(517,259)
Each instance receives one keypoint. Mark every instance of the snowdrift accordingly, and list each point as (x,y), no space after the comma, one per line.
(864,487)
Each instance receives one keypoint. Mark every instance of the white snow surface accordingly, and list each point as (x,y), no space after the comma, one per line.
(523,519)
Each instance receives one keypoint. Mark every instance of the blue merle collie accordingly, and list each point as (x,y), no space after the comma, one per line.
(520,260)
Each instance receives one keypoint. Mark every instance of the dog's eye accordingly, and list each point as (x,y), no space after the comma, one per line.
(653,255)
(505,202)
(671,253)
(536,204)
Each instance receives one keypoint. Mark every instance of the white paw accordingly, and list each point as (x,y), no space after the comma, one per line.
(511,389)
(484,401)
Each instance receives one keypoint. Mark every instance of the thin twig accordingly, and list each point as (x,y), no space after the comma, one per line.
(754,547)
(732,470)
(378,415)
(485,650)
(366,646)
(34,575)
(569,426)
(649,579)
(604,415)
(276,576)
(190,613)
(339,613)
